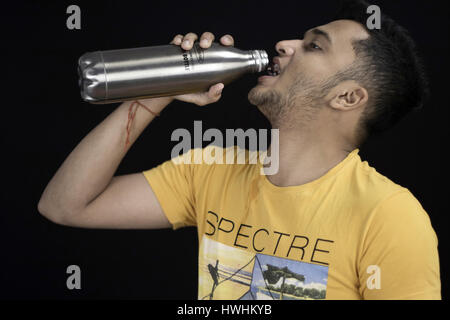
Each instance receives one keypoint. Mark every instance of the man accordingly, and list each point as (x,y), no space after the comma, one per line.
(326,225)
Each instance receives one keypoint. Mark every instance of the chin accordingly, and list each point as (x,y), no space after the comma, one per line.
(261,96)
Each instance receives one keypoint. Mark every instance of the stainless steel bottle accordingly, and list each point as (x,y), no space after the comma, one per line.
(129,74)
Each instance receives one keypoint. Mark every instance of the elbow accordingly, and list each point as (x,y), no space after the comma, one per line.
(43,208)
(51,213)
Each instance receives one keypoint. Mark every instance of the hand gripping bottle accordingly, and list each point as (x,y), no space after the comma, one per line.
(158,71)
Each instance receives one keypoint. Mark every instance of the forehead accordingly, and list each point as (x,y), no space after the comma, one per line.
(345,31)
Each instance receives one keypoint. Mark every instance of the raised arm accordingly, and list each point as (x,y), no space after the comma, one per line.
(84,191)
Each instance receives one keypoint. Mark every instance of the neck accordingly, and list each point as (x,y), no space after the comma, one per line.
(306,154)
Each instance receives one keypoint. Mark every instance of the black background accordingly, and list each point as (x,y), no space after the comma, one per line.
(43,118)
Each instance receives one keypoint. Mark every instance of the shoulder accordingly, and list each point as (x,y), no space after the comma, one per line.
(401,212)
(395,212)
(373,181)
(370,189)
(382,202)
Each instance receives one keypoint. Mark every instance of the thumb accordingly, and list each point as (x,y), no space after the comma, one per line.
(214,93)
(218,89)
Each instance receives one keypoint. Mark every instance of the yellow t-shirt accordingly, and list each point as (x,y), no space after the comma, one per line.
(351,234)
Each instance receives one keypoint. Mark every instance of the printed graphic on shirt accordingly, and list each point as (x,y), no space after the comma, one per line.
(226,272)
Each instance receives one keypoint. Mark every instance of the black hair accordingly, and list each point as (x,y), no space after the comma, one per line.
(392,70)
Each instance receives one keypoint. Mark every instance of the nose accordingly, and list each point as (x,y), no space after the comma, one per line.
(285,47)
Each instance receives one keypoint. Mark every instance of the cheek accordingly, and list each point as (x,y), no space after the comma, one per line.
(314,67)
(299,73)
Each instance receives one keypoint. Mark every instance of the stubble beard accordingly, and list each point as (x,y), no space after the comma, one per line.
(270,102)
(289,110)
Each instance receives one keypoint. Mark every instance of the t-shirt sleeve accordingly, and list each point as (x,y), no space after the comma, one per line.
(172,183)
(399,258)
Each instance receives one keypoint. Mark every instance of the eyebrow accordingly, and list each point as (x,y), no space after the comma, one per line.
(319,32)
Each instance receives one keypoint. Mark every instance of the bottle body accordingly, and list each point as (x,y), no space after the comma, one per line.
(149,72)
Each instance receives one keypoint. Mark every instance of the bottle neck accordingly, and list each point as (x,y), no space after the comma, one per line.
(260,60)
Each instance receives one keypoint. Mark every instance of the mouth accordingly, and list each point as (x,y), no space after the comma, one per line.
(274,69)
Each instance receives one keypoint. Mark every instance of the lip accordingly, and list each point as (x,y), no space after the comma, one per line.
(263,78)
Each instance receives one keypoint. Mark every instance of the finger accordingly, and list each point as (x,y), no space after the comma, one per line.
(213,95)
(216,90)
(177,39)
(227,40)
(206,39)
(188,41)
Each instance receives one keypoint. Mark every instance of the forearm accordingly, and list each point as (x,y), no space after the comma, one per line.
(89,168)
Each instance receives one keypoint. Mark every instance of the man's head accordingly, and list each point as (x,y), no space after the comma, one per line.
(349,79)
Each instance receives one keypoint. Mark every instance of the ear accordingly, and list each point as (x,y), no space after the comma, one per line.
(348,96)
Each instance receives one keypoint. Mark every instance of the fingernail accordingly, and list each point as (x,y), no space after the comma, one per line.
(186,43)
(204,42)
